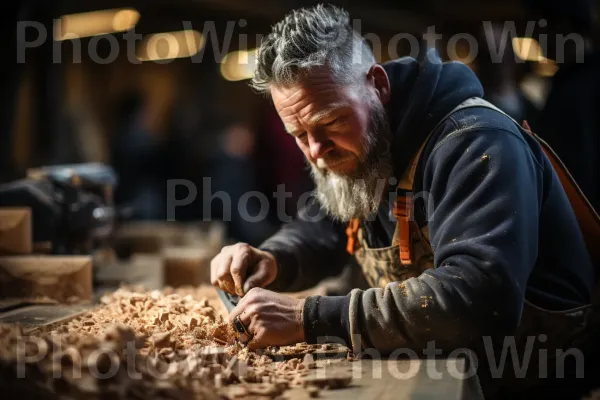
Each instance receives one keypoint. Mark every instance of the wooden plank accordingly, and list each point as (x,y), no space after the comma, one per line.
(62,278)
(15,231)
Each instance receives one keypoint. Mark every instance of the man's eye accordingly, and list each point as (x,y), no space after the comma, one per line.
(340,121)
(301,135)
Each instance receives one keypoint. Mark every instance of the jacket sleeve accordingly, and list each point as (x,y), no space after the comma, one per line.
(307,250)
(483,198)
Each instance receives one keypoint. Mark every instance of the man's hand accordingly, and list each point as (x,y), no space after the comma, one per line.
(272,319)
(239,268)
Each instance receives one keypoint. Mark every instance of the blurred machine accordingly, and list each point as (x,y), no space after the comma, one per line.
(71,205)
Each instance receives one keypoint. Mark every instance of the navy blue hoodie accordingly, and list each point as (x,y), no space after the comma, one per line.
(502,231)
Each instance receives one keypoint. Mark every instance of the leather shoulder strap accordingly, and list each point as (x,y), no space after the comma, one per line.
(587,217)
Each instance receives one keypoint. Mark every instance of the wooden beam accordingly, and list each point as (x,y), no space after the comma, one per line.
(185,266)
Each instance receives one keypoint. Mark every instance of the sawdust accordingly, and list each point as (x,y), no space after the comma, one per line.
(158,344)
(426,301)
(403,289)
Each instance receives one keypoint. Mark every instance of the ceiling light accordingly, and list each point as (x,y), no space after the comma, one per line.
(546,68)
(74,26)
(527,49)
(239,65)
(170,45)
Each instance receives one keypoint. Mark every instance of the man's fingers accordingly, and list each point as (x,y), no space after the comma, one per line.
(224,279)
(246,315)
(254,324)
(243,338)
(258,340)
(214,269)
(239,267)
(250,324)
(239,309)
(259,278)
(244,311)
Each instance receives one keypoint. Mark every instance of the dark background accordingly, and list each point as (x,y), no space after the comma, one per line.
(154,121)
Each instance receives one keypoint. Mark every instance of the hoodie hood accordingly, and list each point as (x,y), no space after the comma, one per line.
(422,93)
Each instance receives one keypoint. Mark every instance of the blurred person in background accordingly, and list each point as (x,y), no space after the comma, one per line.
(192,137)
(570,120)
(499,74)
(138,157)
(235,174)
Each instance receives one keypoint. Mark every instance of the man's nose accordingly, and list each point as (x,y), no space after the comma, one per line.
(319,146)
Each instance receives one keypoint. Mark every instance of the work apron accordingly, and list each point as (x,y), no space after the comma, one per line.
(411,254)
(382,266)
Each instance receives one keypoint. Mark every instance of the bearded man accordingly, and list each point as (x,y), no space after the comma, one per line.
(454,211)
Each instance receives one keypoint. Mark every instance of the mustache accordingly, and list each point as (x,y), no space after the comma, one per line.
(333,158)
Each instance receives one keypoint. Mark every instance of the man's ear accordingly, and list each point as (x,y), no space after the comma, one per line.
(379,79)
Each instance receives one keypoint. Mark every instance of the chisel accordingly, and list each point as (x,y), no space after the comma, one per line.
(228,300)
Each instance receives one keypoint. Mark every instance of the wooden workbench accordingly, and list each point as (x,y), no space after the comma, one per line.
(372,379)
(401,379)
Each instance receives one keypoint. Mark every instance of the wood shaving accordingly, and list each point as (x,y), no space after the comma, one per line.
(159,344)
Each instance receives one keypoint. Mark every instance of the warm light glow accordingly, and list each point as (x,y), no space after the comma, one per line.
(546,68)
(95,23)
(527,49)
(125,20)
(170,45)
(239,65)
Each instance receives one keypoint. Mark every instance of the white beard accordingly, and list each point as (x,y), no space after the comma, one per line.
(346,197)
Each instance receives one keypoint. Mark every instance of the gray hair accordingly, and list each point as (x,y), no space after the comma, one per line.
(307,38)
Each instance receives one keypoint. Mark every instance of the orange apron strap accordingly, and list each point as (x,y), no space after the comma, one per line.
(587,217)
(403,207)
(403,212)
(352,233)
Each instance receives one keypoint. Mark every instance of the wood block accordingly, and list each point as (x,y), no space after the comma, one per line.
(186,266)
(58,277)
(147,236)
(15,231)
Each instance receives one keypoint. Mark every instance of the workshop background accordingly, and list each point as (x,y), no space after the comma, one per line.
(151,92)
(179,107)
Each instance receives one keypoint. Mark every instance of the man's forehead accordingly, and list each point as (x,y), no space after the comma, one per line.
(315,93)
(295,99)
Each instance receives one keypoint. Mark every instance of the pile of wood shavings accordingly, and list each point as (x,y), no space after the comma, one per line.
(168,319)
(137,344)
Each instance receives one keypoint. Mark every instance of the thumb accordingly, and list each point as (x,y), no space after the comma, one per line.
(261,276)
